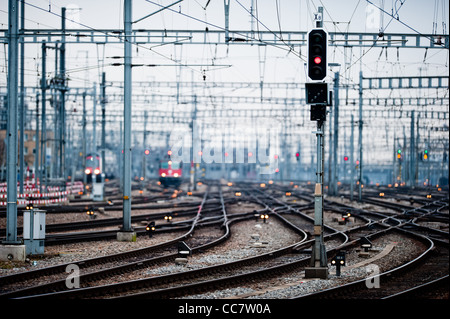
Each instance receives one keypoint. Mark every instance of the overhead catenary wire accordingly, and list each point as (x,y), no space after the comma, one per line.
(101,31)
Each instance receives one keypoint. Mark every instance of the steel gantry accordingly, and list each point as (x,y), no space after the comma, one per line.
(291,39)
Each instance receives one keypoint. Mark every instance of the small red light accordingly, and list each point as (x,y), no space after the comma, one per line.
(317,60)
(345,158)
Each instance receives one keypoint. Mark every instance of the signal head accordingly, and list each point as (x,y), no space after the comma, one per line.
(317,54)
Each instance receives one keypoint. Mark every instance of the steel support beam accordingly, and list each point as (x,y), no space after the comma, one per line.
(334,186)
(360,139)
(62,110)
(11,164)
(22,113)
(126,227)
(237,37)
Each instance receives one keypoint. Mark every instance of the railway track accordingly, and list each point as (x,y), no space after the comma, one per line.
(281,261)
(272,264)
(430,268)
(60,269)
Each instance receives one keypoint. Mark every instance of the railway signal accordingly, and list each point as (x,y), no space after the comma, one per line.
(317,54)
(338,261)
(264,217)
(318,96)
(425,155)
(150,229)
(90,212)
(297,156)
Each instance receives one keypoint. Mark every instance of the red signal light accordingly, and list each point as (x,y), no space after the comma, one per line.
(147,152)
(317,60)
(345,158)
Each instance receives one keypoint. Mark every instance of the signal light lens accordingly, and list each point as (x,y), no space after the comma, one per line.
(317,60)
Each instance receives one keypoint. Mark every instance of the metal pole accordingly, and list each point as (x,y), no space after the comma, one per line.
(227,18)
(194,147)
(94,120)
(319,258)
(412,151)
(334,186)
(11,207)
(22,96)
(84,141)
(127,120)
(144,156)
(121,157)
(394,161)
(103,104)
(56,131)
(360,126)
(36,155)
(43,171)
(352,161)
(62,65)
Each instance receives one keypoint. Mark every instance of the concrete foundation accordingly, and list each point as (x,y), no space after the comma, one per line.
(126,236)
(12,252)
(316,272)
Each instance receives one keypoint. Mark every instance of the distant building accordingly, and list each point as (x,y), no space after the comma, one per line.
(29,148)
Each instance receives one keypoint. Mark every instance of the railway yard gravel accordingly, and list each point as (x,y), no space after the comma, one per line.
(294,284)
(240,245)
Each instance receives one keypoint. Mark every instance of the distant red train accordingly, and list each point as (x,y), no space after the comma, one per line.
(93,167)
(170,172)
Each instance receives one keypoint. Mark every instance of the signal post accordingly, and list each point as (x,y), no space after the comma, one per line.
(317,95)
